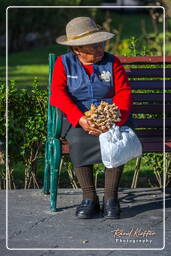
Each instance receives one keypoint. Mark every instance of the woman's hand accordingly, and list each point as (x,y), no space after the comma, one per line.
(87,126)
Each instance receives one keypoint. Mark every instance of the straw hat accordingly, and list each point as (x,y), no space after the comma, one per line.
(83,31)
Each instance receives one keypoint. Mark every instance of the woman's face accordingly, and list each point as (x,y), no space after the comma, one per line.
(90,54)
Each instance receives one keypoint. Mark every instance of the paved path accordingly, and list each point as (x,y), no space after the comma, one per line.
(32,225)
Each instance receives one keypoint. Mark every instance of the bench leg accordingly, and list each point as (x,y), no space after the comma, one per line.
(55,159)
(53,189)
(46,179)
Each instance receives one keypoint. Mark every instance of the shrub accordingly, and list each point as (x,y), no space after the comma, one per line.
(26,121)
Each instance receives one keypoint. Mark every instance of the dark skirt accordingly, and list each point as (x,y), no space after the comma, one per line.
(84,147)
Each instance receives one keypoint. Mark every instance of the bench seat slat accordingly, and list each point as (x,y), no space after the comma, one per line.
(65,148)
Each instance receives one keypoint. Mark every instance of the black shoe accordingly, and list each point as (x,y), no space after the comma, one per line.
(88,209)
(111,209)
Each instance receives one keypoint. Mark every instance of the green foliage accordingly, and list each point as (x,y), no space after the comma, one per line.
(26,125)
(132,47)
(147,45)
(160,168)
(155,43)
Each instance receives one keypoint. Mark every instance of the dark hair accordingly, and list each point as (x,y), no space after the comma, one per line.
(70,49)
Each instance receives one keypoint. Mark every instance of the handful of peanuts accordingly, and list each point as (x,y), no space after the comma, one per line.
(103,116)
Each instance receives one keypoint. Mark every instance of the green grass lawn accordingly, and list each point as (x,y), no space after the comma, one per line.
(26,65)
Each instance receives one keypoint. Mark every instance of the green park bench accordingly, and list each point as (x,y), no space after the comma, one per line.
(151,97)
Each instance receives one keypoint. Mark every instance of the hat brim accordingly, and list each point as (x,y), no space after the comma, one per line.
(96,37)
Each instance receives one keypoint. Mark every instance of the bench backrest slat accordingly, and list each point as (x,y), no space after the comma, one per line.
(150,85)
(151,132)
(152,123)
(147,72)
(145,60)
(151,97)
(153,147)
(149,109)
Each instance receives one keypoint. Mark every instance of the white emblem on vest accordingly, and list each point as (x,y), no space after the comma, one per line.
(105,75)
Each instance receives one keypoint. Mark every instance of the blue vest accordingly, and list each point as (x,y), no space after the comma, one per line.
(84,89)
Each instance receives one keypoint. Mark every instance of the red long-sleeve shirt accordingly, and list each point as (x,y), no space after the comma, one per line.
(61,99)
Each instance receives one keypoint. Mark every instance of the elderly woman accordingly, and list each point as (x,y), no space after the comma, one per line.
(77,83)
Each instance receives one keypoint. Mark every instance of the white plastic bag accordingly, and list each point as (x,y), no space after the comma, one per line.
(119,145)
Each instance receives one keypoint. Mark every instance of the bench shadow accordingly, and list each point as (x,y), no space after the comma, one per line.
(150,204)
